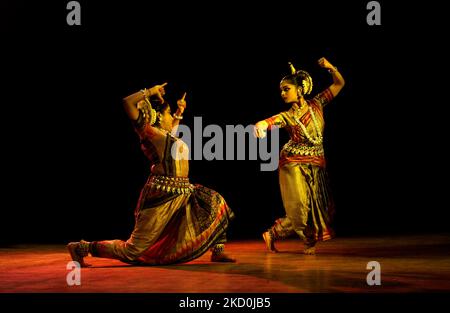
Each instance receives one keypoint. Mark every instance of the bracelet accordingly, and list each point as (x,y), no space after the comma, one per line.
(335,69)
(178,117)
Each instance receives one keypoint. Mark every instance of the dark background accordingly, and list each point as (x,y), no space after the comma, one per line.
(72,165)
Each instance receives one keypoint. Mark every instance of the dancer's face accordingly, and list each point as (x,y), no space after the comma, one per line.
(289,92)
(166,119)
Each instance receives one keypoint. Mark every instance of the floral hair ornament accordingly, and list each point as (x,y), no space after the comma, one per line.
(303,78)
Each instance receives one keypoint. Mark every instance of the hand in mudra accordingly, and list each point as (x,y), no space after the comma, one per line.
(325,64)
(158,90)
(182,103)
(259,130)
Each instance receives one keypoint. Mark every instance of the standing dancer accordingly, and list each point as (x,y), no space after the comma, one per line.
(302,175)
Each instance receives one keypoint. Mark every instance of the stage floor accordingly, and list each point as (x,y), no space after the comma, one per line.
(408,264)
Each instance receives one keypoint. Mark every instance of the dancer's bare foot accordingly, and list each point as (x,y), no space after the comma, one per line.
(309,250)
(310,247)
(77,252)
(270,244)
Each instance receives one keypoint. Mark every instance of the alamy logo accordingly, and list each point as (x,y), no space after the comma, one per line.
(374,276)
(74,16)
(74,276)
(236,142)
(374,16)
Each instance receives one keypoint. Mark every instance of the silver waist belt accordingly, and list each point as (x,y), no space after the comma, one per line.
(302,149)
(170,184)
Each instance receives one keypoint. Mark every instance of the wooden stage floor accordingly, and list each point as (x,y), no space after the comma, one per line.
(418,263)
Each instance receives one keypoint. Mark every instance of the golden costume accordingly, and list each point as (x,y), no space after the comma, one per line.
(302,176)
(176,221)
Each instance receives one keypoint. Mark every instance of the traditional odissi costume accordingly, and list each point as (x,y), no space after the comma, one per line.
(175,220)
(303,178)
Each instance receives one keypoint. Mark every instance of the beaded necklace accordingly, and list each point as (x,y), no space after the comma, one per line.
(319,139)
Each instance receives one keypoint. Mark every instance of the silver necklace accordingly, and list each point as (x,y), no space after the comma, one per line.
(319,139)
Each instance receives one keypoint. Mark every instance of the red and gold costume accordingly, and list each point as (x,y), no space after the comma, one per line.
(176,221)
(302,176)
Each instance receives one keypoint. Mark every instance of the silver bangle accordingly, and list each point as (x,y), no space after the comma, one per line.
(178,117)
